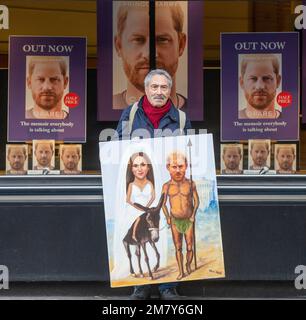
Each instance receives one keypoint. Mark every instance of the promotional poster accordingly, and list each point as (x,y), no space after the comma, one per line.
(124,59)
(47,88)
(161,203)
(259,88)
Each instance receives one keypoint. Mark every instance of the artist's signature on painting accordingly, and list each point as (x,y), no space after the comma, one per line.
(215,271)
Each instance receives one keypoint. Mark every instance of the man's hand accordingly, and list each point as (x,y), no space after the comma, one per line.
(191,219)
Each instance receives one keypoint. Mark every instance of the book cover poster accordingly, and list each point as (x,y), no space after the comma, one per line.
(259,154)
(260,86)
(161,210)
(285,158)
(43,155)
(231,160)
(70,158)
(47,88)
(17,156)
(126,53)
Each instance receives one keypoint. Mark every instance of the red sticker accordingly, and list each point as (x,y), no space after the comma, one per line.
(284,99)
(71,100)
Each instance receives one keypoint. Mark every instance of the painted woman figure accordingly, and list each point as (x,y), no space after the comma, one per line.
(140,184)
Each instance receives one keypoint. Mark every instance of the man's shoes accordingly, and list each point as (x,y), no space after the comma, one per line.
(141,293)
(170,294)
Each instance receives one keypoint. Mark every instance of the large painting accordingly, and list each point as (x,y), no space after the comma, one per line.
(161,210)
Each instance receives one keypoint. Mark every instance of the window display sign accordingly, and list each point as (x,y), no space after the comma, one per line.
(126,53)
(47,88)
(161,210)
(260,86)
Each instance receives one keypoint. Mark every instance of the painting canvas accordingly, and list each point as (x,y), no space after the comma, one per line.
(161,210)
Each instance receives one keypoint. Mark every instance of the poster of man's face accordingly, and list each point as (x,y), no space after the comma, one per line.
(259,84)
(16,159)
(131,48)
(47,82)
(285,158)
(43,154)
(259,154)
(71,158)
(231,158)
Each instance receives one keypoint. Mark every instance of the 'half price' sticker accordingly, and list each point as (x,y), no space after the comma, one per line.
(72,100)
(284,99)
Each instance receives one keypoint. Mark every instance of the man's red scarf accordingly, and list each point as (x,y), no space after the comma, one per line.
(153,113)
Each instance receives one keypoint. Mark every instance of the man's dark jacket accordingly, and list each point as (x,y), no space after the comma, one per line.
(169,121)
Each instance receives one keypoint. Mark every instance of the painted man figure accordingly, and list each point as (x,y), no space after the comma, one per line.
(184,202)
